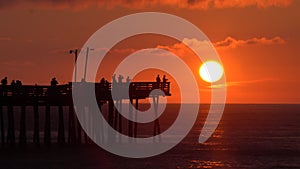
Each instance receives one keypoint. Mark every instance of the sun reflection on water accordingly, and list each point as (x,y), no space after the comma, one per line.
(207,164)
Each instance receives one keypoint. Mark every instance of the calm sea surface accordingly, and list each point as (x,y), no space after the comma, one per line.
(248,136)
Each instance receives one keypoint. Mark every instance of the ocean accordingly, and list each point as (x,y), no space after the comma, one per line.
(248,136)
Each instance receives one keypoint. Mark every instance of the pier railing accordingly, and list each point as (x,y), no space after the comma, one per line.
(63,93)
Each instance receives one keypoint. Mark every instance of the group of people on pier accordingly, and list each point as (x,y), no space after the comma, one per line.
(14,83)
(120,79)
(158,80)
(161,83)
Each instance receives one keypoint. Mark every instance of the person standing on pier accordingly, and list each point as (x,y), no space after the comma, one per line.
(53,91)
(127,84)
(4,81)
(114,80)
(120,78)
(18,83)
(13,87)
(158,80)
(164,81)
(102,82)
(13,83)
(107,84)
(54,82)
(128,79)
(3,91)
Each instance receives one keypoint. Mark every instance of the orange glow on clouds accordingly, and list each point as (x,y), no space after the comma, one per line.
(183,4)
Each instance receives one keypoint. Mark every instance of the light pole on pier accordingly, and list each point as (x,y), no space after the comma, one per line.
(75,51)
(86,62)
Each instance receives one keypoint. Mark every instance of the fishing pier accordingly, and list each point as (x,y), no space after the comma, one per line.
(35,97)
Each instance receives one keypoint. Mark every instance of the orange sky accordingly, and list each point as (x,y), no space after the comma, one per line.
(258,41)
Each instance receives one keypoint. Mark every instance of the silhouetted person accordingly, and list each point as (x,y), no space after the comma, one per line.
(54,82)
(114,80)
(120,78)
(3,91)
(107,84)
(102,80)
(4,81)
(13,87)
(158,79)
(127,84)
(165,79)
(128,80)
(13,83)
(53,90)
(18,83)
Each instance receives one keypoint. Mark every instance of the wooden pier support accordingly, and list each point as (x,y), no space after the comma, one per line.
(101,129)
(90,125)
(61,128)
(22,136)
(86,120)
(72,127)
(36,128)
(156,129)
(110,137)
(87,123)
(136,124)
(115,121)
(47,132)
(11,126)
(2,127)
(130,122)
(79,141)
(120,116)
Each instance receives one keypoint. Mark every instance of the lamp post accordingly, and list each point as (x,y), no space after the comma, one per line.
(75,51)
(86,62)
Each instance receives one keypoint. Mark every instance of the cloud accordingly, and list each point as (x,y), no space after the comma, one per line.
(203,47)
(47,4)
(231,42)
(123,51)
(137,4)
(178,48)
(239,83)
(246,3)
(182,49)
(5,38)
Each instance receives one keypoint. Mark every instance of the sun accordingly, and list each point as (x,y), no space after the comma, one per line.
(211,71)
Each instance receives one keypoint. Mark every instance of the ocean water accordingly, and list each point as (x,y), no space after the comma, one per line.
(248,136)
